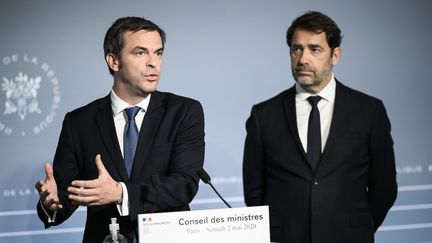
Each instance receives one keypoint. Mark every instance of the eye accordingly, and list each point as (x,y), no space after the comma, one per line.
(140,53)
(316,50)
(159,53)
(296,50)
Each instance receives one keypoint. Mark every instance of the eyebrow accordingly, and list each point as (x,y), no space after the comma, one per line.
(314,46)
(309,46)
(146,49)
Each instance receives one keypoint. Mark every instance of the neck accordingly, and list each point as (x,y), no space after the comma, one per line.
(127,95)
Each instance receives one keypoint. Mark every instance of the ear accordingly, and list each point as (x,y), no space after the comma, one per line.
(112,61)
(337,52)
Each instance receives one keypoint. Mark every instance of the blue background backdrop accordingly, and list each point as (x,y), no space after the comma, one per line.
(229,55)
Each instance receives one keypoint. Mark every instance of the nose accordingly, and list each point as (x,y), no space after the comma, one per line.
(152,61)
(304,57)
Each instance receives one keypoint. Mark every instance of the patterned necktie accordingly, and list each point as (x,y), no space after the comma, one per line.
(314,133)
(130,137)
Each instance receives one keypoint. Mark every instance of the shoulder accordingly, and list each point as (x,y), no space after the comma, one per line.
(174,103)
(170,98)
(88,110)
(353,96)
(276,101)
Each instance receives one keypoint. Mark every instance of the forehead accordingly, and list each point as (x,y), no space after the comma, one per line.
(308,37)
(142,38)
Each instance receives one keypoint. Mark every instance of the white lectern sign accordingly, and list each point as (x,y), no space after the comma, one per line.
(246,224)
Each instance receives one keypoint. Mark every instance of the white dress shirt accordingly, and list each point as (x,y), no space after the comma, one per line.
(325,107)
(120,118)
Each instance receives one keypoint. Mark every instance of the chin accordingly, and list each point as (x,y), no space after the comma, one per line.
(149,88)
(148,91)
(305,82)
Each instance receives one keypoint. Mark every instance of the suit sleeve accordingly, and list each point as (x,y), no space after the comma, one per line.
(253,164)
(179,183)
(382,187)
(65,170)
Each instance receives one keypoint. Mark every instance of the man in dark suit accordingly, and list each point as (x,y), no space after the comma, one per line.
(95,143)
(327,173)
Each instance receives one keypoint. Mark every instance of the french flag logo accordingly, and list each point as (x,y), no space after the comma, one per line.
(147,220)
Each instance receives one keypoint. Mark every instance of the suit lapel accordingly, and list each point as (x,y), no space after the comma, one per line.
(291,117)
(148,131)
(105,123)
(340,110)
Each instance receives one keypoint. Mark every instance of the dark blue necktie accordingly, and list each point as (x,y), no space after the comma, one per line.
(130,138)
(314,133)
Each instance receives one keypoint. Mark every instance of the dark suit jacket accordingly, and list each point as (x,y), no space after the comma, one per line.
(170,145)
(347,197)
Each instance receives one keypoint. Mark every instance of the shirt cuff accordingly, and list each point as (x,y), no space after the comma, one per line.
(123,206)
(50,219)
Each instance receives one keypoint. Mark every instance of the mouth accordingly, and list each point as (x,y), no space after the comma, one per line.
(303,73)
(152,77)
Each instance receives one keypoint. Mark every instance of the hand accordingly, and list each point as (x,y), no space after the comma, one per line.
(48,190)
(100,191)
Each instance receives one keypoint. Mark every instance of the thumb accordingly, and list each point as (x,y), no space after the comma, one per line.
(49,172)
(99,165)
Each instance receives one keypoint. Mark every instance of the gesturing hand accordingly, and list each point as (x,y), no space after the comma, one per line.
(100,191)
(48,190)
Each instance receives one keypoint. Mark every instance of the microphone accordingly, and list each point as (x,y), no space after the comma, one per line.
(156,182)
(206,179)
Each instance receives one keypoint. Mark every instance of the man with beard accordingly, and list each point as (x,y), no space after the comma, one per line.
(319,154)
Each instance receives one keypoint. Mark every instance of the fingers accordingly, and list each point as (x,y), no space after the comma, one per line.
(86,192)
(85,184)
(48,198)
(80,191)
(48,189)
(84,196)
(52,205)
(84,201)
(99,164)
(95,182)
(39,185)
(49,201)
(49,172)
(55,206)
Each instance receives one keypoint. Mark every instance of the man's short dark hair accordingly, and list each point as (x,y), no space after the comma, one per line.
(114,38)
(316,22)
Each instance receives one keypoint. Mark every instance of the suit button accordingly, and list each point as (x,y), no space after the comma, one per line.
(315,182)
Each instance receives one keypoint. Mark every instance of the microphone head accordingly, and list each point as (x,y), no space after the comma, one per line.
(203,175)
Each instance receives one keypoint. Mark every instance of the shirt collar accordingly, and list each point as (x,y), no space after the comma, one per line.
(118,105)
(328,92)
